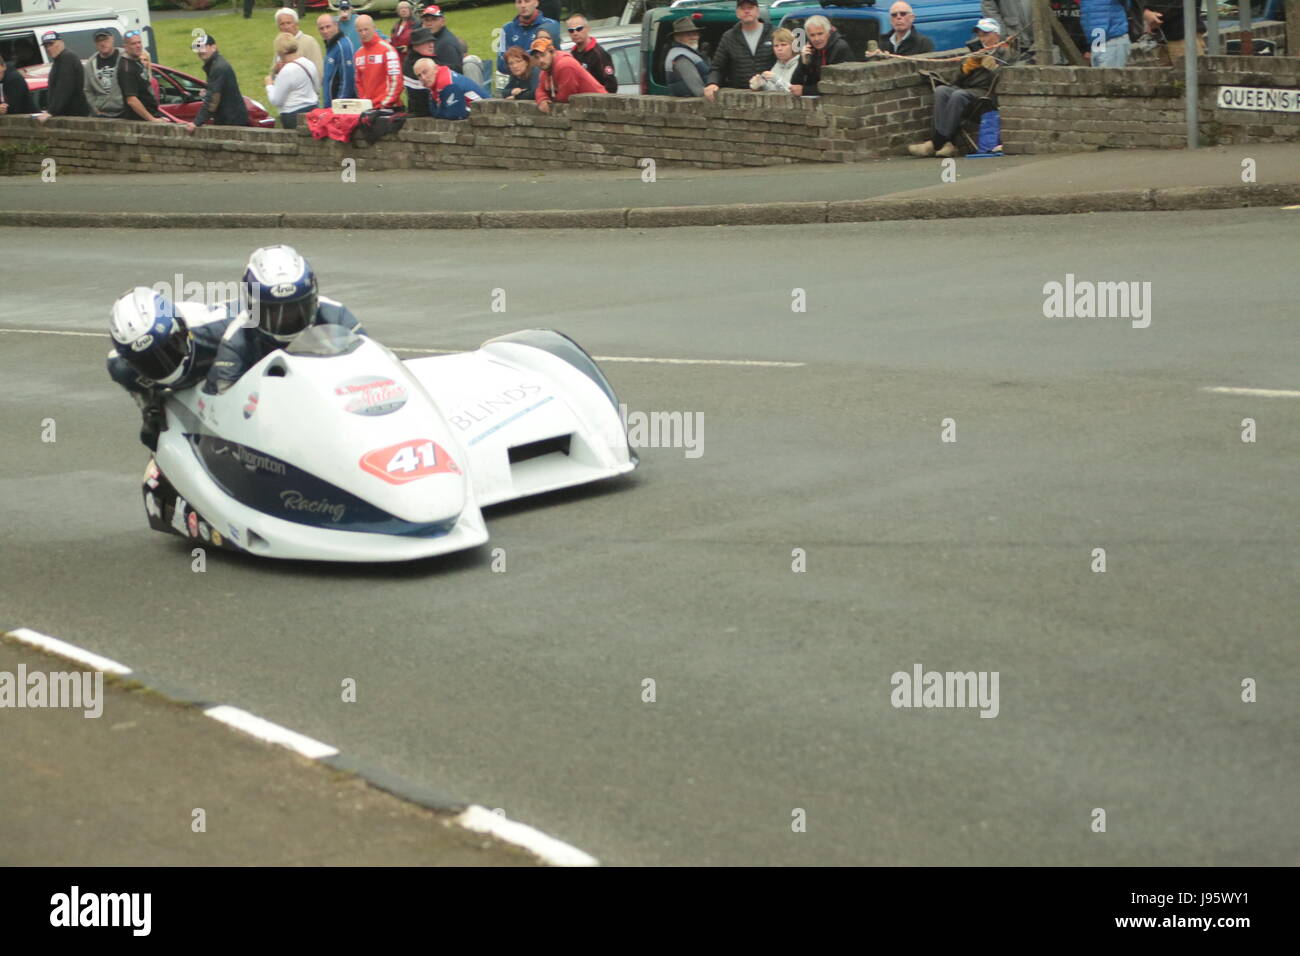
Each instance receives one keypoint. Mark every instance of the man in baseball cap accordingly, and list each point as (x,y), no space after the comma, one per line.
(744,50)
(954,99)
(67,82)
(103,91)
(562,76)
(448,49)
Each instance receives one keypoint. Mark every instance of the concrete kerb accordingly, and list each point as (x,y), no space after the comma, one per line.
(741,214)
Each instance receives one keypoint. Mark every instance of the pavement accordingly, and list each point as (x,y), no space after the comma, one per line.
(523,689)
(886,189)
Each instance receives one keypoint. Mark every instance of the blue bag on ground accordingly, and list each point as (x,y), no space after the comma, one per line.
(990,135)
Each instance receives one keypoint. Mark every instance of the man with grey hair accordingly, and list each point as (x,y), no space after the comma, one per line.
(825,47)
(286,21)
(904,40)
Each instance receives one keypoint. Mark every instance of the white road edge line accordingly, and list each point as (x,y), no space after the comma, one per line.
(476,818)
(546,848)
(255,726)
(1257,392)
(645,360)
(71,651)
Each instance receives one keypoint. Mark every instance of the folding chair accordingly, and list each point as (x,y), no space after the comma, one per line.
(986,101)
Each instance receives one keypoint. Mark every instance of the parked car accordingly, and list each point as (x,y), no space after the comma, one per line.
(179,94)
(713,19)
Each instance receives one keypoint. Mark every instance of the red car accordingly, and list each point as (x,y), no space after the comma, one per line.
(179,94)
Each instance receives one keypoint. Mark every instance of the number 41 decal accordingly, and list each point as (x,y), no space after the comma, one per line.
(409,461)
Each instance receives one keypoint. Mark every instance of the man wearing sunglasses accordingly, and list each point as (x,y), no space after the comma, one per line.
(904,40)
(590,53)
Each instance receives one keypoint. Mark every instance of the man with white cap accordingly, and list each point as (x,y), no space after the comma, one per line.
(67,82)
(951,100)
(1018,18)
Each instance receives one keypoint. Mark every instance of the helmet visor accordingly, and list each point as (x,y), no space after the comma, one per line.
(163,360)
(283,319)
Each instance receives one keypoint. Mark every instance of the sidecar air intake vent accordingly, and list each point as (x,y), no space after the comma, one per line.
(536,449)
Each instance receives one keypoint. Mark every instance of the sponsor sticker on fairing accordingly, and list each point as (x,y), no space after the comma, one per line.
(409,461)
(371,395)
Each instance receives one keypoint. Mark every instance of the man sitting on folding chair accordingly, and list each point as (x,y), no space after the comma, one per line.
(955,100)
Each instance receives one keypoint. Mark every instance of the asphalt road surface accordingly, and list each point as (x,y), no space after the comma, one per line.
(1119,691)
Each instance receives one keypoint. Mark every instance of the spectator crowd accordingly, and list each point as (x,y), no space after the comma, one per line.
(422,67)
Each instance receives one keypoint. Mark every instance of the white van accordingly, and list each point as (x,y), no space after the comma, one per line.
(20,32)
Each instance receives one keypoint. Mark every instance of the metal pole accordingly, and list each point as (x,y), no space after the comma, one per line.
(1190,9)
(1212,27)
(1247,26)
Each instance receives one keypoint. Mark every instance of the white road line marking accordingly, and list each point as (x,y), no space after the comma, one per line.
(273,733)
(547,848)
(1257,392)
(64,649)
(89,335)
(645,360)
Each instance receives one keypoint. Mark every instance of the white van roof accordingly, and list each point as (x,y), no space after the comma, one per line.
(29,21)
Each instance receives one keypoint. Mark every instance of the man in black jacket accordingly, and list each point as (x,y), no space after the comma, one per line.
(448,50)
(590,54)
(223,103)
(67,84)
(133,75)
(1166,17)
(423,46)
(825,47)
(15,98)
(904,40)
(744,50)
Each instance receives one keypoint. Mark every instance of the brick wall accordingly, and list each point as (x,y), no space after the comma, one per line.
(1067,109)
(867,110)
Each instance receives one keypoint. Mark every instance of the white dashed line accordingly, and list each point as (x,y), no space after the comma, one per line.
(272,733)
(645,360)
(476,818)
(547,848)
(1256,392)
(70,651)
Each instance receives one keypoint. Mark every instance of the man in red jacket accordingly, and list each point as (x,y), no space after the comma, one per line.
(562,75)
(378,67)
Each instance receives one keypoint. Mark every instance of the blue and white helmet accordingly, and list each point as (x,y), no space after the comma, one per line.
(282,291)
(150,336)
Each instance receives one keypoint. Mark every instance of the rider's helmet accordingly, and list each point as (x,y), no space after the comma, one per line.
(281,287)
(150,335)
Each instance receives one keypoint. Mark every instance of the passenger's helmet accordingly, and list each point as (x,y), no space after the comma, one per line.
(150,336)
(282,291)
